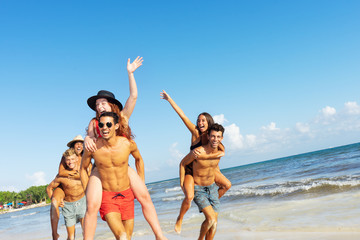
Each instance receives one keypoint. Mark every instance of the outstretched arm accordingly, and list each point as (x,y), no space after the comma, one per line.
(85,163)
(185,161)
(184,118)
(131,101)
(139,162)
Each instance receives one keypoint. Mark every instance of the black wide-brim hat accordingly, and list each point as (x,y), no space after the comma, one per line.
(103,94)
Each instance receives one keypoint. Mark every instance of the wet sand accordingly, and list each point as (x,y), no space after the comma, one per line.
(255,236)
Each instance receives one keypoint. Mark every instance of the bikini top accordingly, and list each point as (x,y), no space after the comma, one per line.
(199,144)
(97,128)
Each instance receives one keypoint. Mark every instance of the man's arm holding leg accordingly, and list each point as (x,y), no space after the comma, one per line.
(139,162)
(85,163)
(49,189)
(185,161)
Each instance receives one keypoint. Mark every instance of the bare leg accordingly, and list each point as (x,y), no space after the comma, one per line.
(114,221)
(142,195)
(186,203)
(211,233)
(71,232)
(223,183)
(129,227)
(93,201)
(82,225)
(210,222)
(56,199)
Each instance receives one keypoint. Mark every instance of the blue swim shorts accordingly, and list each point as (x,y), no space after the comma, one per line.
(207,195)
(74,211)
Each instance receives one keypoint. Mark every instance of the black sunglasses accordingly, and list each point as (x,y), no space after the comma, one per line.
(108,124)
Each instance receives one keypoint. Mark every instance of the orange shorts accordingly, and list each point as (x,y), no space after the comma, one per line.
(121,202)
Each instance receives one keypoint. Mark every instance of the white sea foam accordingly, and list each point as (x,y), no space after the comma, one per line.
(24,215)
(174,189)
(293,187)
(169,199)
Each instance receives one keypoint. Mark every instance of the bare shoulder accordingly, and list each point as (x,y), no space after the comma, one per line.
(92,122)
(133,145)
(123,141)
(201,149)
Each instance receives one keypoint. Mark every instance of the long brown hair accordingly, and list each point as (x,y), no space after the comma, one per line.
(209,119)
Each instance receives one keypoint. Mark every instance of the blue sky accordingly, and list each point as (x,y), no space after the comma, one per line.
(281,76)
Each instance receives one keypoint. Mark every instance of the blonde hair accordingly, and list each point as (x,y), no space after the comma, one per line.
(69,153)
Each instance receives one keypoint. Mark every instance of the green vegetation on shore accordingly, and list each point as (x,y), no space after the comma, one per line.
(34,194)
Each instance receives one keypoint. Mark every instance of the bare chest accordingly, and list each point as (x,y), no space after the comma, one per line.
(113,157)
(206,164)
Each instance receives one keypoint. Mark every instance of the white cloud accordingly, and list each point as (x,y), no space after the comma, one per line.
(250,140)
(270,127)
(329,124)
(37,178)
(302,127)
(328,111)
(220,119)
(175,155)
(352,108)
(151,169)
(232,137)
(8,188)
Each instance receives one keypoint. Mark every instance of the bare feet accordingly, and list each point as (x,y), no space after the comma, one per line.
(178,225)
(161,238)
(55,236)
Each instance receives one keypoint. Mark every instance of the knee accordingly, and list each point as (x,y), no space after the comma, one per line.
(227,185)
(189,197)
(92,207)
(211,221)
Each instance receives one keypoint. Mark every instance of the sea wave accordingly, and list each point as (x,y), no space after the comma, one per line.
(174,189)
(321,185)
(170,199)
(24,215)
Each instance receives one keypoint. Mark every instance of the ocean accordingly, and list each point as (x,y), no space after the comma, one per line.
(308,196)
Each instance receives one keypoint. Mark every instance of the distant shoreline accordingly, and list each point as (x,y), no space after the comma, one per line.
(42,204)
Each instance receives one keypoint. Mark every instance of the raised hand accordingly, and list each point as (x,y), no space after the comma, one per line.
(131,67)
(164,95)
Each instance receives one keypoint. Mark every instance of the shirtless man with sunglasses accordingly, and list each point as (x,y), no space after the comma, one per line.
(111,159)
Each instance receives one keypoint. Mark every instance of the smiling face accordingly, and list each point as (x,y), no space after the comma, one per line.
(102,105)
(202,123)
(71,161)
(78,147)
(215,138)
(107,127)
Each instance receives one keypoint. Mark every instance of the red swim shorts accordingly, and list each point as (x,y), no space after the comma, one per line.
(121,202)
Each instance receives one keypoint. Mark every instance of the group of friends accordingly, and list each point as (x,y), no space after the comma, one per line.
(109,185)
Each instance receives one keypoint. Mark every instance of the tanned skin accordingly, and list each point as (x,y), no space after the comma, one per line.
(111,159)
(204,172)
(72,187)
